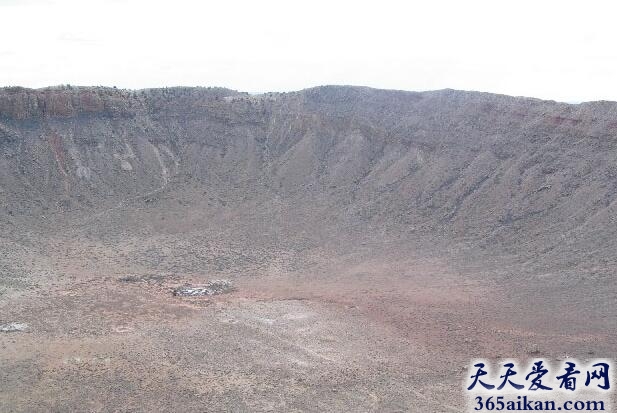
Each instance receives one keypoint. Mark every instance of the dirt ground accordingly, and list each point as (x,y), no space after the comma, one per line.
(382,330)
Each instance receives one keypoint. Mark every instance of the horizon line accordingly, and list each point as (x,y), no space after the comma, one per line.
(64,86)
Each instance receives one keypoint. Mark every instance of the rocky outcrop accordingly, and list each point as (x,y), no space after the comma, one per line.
(502,170)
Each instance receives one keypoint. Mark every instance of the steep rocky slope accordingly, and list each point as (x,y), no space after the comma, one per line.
(529,174)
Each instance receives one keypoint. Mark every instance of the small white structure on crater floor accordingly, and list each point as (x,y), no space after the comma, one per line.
(12,327)
(213,287)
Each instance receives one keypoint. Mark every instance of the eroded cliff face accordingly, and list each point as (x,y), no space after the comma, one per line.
(522,173)
(65,102)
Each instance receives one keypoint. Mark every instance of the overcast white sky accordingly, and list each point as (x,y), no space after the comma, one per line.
(562,50)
